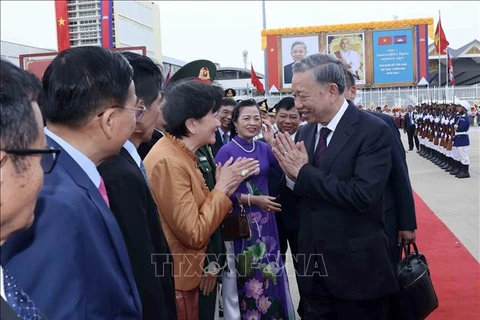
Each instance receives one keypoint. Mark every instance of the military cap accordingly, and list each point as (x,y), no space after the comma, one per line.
(263,105)
(230,93)
(272,111)
(204,70)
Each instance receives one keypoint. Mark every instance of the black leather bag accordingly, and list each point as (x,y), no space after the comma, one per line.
(417,293)
(236,226)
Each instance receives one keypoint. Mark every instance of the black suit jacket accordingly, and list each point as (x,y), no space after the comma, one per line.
(134,208)
(288,73)
(218,143)
(398,203)
(408,126)
(145,147)
(341,209)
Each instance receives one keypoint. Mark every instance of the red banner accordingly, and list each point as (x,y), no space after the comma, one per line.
(273,75)
(422,52)
(63,34)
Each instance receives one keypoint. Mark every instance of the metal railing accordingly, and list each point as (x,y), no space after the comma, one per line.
(400,97)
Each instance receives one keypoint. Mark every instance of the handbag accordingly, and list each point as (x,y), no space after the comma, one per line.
(417,293)
(236,226)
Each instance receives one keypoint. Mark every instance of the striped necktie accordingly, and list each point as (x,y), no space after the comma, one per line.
(321,146)
(144,173)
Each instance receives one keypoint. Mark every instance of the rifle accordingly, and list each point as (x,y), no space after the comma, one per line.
(436,133)
(452,136)
(444,134)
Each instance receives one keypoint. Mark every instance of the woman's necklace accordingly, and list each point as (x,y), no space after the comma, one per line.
(247,151)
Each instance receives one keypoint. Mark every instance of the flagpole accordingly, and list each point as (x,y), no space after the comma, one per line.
(265,52)
(447,74)
(439,51)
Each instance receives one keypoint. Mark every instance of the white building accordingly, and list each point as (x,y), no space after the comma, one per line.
(135,23)
(238,79)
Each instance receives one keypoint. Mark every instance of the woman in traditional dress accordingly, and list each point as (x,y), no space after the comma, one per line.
(256,285)
(189,212)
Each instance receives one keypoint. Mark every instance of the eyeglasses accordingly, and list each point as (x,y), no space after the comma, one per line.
(49,156)
(139,112)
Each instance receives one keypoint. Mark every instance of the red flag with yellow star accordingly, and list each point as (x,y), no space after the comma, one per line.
(441,42)
(63,34)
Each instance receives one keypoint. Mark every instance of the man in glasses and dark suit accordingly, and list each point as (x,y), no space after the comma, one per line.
(73,261)
(24,159)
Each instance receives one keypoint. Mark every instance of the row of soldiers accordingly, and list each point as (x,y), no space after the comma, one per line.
(442,131)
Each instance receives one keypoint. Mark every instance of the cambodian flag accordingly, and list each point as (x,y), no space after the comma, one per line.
(106,13)
(399,39)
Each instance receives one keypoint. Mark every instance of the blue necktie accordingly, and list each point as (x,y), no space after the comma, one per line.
(321,146)
(144,173)
(18,300)
(225,138)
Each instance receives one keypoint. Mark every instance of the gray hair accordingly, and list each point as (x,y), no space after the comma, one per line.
(328,69)
(299,43)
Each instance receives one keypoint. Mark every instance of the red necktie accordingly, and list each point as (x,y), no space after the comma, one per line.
(103,191)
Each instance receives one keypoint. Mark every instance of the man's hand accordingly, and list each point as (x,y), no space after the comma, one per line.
(207,283)
(409,237)
(291,157)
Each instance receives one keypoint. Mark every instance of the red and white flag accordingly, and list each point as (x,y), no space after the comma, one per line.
(450,69)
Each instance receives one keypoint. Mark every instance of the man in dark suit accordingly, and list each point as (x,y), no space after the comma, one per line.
(222,135)
(298,51)
(410,126)
(398,204)
(132,203)
(24,160)
(338,173)
(73,261)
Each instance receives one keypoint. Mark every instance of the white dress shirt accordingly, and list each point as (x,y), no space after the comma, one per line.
(2,289)
(83,161)
(332,125)
(130,147)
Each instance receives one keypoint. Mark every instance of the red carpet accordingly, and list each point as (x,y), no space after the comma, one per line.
(455,272)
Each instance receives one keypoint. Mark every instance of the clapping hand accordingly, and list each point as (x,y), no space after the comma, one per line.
(231,174)
(291,157)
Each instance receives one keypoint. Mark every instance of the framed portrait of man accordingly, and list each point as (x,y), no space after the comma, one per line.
(295,48)
(350,49)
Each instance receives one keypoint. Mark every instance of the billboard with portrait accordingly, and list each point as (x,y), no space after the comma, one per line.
(393,56)
(350,49)
(378,53)
(294,49)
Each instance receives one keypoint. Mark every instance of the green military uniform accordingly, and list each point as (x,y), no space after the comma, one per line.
(216,249)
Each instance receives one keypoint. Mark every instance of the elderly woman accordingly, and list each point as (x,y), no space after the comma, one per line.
(189,212)
(23,161)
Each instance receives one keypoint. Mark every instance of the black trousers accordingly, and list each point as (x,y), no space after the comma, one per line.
(319,304)
(411,136)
